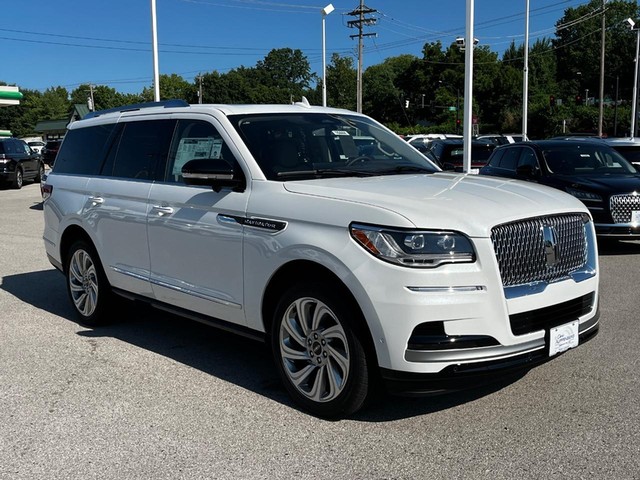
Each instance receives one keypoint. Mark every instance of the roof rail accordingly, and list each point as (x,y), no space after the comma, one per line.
(138,106)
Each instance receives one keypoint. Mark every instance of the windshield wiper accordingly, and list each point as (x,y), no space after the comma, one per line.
(406,169)
(327,172)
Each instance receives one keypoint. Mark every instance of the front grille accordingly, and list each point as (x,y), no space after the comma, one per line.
(550,317)
(520,249)
(622,206)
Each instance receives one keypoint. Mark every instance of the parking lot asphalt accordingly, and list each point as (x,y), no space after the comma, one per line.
(153,396)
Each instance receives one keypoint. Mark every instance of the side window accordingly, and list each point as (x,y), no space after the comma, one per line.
(528,157)
(82,151)
(143,146)
(194,139)
(24,148)
(510,159)
(496,157)
(10,146)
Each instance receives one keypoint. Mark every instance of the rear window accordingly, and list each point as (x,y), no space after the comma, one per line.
(82,151)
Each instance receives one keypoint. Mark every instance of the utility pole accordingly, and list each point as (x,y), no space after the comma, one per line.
(601,106)
(92,103)
(361,22)
(199,77)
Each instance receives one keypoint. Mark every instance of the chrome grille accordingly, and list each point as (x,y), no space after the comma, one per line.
(520,249)
(622,206)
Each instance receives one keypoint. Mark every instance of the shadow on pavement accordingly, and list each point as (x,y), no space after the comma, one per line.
(241,361)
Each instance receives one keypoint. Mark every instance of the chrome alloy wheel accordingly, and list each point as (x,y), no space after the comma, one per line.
(314,350)
(83,282)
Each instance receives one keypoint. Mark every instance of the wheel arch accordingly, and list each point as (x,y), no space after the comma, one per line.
(290,273)
(72,234)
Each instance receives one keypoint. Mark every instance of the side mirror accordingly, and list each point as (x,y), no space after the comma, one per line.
(527,171)
(449,167)
(213,172)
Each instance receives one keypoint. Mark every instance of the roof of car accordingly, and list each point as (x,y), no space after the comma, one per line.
(173,106)
(556,142)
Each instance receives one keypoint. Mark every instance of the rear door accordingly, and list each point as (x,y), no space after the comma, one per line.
(117,204)
(28,160)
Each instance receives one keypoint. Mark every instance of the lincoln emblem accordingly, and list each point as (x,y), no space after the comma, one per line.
(550,239)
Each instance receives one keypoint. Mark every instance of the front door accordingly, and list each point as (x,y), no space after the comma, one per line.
(195,245)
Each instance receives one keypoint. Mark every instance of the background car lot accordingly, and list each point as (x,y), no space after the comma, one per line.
(156,396)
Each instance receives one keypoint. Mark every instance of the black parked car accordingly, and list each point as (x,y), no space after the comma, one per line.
(448,152)
(50,151)
(19,163)
(589,170)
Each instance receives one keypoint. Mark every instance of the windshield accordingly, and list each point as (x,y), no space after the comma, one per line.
(589,159)
(314,145)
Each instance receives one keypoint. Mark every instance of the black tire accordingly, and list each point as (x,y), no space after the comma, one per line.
(317,352)
(87,285)
(38,178)
(18,180)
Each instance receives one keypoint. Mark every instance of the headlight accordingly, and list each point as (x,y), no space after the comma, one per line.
(409,248)
(585,196)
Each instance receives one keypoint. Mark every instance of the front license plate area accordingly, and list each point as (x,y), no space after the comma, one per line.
(635,217)
(563,338)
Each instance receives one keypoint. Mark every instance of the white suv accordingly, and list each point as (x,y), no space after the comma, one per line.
(355,263)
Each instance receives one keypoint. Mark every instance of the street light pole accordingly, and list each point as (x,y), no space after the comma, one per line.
(325,11)
(525,74)
(634,101)
(154,41)
(468,88)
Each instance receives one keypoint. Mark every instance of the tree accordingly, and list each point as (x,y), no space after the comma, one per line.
(172,87)
(283,75)
(383,99)
(341,82)
(104,97)
(577,46)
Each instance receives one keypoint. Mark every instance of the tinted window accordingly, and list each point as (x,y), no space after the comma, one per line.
(496,157)
(141,147)
(83,150)
(509,159)
(194,139)
(586,159)
(528,157)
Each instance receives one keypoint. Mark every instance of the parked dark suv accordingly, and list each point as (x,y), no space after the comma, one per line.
(448,152)
(19,163)
(589,170)
(50,151)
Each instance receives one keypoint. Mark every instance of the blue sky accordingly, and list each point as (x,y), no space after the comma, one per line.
(108,42)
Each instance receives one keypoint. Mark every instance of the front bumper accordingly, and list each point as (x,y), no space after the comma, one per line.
(472,374)
(618,230)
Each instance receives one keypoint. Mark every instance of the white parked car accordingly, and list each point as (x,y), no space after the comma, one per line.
(354,265)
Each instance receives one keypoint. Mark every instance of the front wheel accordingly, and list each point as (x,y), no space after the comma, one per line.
(318,355)
(38,179)
(87,284)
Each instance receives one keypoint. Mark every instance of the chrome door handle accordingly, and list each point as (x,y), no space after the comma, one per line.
(95,201)
(162,211)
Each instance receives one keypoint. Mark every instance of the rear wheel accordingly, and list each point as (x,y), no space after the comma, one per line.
(18,180)
(87,284)
(318,355)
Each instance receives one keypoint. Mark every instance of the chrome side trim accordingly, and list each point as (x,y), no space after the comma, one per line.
(194,293)
(473,354)
(185,289)
(471,288)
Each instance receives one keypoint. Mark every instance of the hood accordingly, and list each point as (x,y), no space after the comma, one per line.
(605,184)
(471,204)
